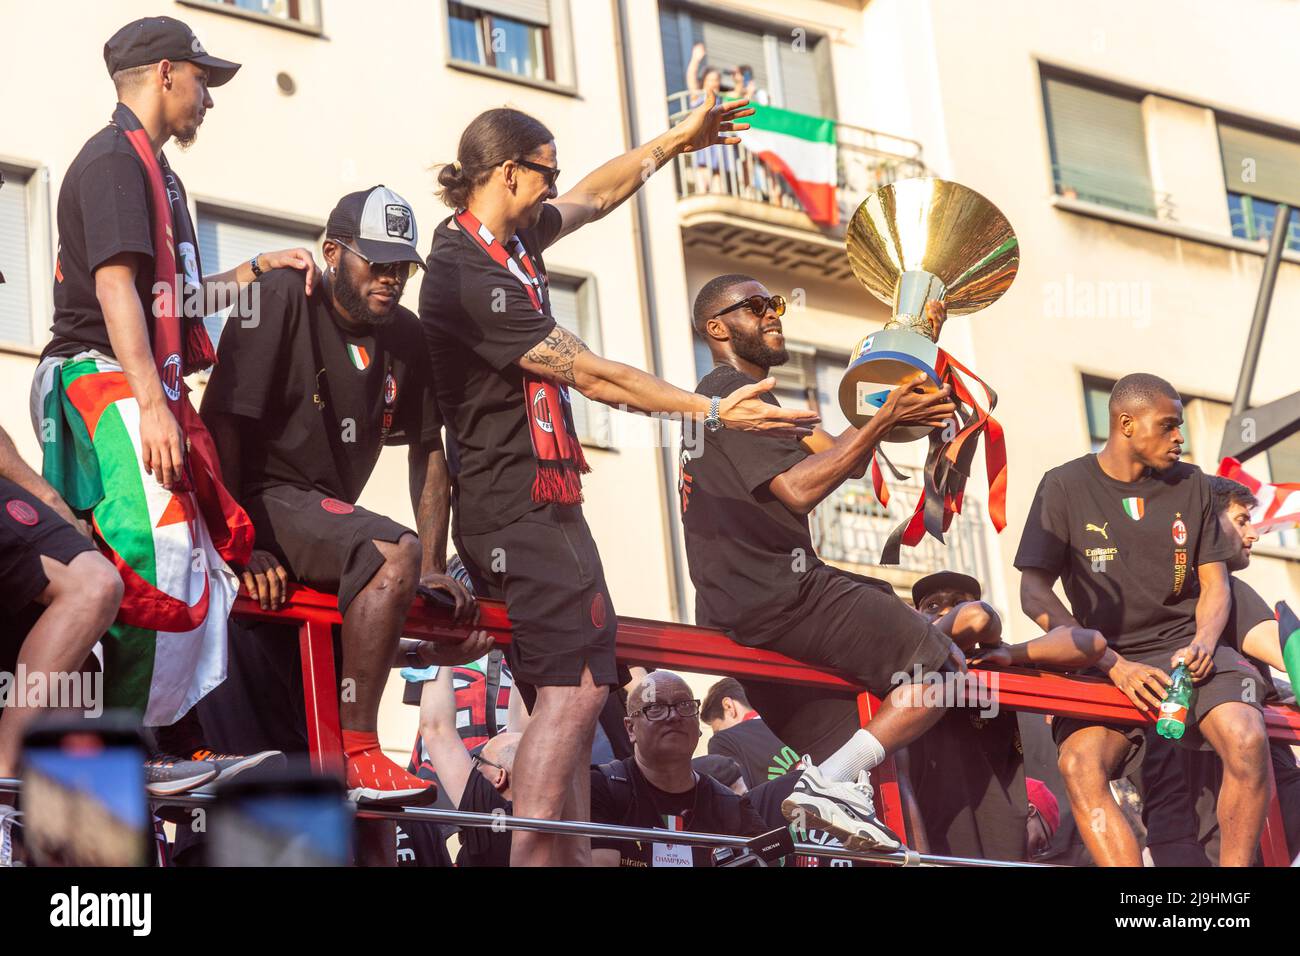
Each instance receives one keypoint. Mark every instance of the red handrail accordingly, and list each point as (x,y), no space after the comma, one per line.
(703,650)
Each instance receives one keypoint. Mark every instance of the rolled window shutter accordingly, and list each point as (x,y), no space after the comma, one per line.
(566,312)
(1099,147)
(1259,165)
(730,47)
(225,242)
(15,265)
(529,11)
(801,86)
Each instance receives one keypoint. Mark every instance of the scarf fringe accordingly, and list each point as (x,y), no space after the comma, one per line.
(558,483)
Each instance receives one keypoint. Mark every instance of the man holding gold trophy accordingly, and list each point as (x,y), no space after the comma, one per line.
(931,248)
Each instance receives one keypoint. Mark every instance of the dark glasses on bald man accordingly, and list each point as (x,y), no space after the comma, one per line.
(758,304)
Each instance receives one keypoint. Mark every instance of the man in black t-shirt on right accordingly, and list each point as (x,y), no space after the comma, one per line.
(1131,532)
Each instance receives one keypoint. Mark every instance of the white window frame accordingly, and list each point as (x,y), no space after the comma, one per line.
(562,52)
(599,428)
(312,26)
(40,250)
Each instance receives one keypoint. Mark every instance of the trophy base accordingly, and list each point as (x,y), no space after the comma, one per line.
(881,362)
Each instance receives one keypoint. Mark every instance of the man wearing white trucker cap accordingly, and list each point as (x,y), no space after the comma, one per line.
(307,391)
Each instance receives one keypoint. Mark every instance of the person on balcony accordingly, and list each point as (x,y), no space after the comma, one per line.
(1132,534)
(745,512)
(503,370)
(710,164)
(309,388)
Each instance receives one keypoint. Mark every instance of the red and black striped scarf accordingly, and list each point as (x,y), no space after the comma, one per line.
(560,461)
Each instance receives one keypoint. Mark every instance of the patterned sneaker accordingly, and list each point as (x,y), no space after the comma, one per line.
(373,778)
(230,766)
(168,776)
(844,809)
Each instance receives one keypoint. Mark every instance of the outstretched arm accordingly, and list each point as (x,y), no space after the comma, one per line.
(1062,648)
(564,357)
(712,123)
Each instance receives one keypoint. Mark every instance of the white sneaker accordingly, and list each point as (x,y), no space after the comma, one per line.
(845,809)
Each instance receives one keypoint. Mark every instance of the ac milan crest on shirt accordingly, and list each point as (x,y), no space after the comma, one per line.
(336,507)
(390,389)
(22,512)
(1180,532)
(1134,508)
(360,357)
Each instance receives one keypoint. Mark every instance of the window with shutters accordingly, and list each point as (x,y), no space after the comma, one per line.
(228,238)
(16,261)
(573,306)
(520,38)
(1260,171)
(790,68)
(1098,145)
(299,14)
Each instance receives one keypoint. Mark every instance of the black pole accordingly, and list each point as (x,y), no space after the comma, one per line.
(1241,401)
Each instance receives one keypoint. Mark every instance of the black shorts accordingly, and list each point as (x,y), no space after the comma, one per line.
(859,627)
(1233,680)
(545,566)
(30,529)
(325,543)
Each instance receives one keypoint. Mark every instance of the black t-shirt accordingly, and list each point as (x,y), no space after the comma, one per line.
(479,321)
(761,754)
(104,210)
(747,552)
(1248,611)
(631,800)
(1127,552)
(483,846)
(266,372)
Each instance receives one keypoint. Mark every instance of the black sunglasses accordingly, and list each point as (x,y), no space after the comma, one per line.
(550,173)
(398,270)
(758,304)
(480,759)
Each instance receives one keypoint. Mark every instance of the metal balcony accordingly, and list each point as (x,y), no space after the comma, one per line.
(732,203)
(850,528)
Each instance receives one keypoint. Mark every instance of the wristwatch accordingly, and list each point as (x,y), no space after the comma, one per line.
(257,270)
(712,421)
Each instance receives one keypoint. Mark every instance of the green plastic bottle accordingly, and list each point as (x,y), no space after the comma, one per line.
(1175,709)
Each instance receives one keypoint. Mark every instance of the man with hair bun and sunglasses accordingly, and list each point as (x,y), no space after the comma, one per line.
(745,509)
(307,391)
(503,369)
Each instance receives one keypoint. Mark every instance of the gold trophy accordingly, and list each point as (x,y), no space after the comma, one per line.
(910,243)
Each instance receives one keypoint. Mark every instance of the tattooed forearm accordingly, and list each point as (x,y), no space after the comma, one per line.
(659,155)
(557,353)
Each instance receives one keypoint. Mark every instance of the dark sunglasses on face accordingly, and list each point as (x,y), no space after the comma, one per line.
(758,304)
(660,711)
(549,173)
(480,759)
(398,270)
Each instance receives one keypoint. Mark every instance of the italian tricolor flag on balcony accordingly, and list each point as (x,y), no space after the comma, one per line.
(801,149)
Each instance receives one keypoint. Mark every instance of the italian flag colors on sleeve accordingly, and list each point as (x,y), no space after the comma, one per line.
(1288,634)
(801,149)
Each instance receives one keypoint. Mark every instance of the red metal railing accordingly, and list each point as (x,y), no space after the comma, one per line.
(702,650)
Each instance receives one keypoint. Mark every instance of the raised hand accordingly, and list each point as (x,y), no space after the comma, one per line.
(713,123)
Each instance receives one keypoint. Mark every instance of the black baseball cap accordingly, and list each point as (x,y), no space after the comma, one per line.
(945,581)
(151,39)
(379,222)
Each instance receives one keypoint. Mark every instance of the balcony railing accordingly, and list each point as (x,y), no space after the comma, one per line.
(865,160)
(851,527)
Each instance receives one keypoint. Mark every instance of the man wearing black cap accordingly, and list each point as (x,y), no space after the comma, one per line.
(301,404)
(122,444)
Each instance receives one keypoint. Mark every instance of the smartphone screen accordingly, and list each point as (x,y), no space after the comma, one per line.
(83,797)
(290,821)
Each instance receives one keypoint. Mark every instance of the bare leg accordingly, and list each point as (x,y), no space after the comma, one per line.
(1087,759)
(556,745)
(1236,732)
(903,717)
(577,806)
(371,629)
(80,601)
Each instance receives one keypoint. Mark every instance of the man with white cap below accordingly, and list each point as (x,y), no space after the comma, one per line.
(306,393)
